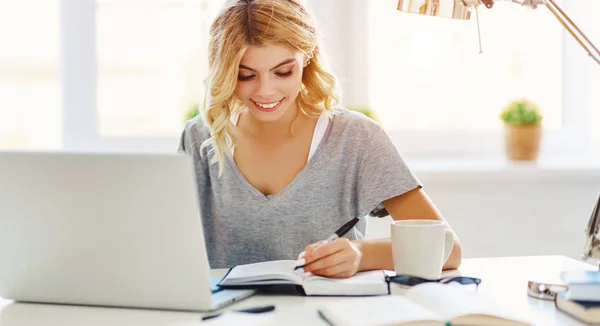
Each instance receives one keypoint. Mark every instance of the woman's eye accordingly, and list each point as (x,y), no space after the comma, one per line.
(284,74)
(280,74)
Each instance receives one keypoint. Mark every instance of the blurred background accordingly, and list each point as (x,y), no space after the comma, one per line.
(124,75)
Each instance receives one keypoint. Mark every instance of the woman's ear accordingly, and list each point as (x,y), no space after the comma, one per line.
(307,59)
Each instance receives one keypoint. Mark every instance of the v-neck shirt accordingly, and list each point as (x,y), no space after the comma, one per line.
(320,128)
(353,167)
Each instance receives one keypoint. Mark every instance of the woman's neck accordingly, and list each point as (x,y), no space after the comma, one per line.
(269,129)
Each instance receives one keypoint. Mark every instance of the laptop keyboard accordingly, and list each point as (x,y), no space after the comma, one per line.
(214,281)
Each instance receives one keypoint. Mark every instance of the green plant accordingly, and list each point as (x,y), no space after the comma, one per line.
(366,111)
(191,111)
(521,112)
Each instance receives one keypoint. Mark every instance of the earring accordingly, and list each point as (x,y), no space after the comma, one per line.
(308,62)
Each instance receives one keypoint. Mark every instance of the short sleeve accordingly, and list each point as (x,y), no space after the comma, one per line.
(383,173)
(193,135)
(190,140)
(181,148)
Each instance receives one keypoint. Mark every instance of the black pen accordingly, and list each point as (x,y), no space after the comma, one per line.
(255,310)
(339,233)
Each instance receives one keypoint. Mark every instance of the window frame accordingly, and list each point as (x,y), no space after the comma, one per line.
(81,130)
(573,138)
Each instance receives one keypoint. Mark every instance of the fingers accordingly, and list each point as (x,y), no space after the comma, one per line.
(316,266)
(333,270)
(337,259)
(330,259)
(313,246)
(322,249)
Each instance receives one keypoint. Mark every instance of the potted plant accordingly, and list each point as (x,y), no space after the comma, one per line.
(522,119)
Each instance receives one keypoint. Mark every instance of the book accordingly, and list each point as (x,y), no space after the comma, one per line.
(585,311)
(281,272)
(429,304)
(581,277)
(583,285)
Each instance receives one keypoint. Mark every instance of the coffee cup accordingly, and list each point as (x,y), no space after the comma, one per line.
(421,247)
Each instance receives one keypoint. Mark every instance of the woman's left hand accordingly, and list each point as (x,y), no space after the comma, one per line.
(339,258)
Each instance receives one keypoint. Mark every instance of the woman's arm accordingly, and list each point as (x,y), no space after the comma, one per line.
(343,258)
(415,204)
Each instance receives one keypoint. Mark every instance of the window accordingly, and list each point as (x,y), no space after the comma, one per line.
(592,29)
(30,115)
(152,61)
(436,94)
(151,64)
(438,79)
(131,69)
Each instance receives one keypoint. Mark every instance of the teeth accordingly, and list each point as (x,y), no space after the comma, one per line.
(268,106)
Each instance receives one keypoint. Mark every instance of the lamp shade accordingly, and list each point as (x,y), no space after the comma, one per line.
(461,9)
(456,9)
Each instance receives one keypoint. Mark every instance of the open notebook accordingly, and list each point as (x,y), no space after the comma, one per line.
(426,304)
(281,272)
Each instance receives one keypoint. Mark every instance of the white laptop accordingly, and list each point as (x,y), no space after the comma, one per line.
(104,229)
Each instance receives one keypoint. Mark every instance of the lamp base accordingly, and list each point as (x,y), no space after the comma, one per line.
(547,290)
(543,290)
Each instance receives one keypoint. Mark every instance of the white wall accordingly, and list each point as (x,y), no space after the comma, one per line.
(511,209)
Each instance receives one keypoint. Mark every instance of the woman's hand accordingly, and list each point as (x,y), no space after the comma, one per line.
(339,258)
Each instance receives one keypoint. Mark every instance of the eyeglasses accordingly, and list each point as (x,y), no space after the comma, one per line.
(408,280)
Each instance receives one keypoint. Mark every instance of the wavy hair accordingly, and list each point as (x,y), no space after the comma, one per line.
(244,23)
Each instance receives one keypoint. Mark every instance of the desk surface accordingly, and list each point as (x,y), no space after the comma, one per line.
(506,278)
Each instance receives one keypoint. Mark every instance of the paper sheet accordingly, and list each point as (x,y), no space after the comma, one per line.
(241,318)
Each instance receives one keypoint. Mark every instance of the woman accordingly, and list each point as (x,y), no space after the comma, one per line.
(278,164)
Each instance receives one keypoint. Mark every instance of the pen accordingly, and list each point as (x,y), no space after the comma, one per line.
(339,233)
(255,310)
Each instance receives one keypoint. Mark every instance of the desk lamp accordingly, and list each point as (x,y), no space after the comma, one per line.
(462,9)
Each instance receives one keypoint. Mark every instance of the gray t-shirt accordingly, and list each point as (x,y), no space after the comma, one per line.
(353,169)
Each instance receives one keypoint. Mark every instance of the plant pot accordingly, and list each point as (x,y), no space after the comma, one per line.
(523,142)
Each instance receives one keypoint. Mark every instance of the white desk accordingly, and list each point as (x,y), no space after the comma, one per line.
(506,278)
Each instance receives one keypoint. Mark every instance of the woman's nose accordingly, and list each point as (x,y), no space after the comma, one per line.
(266,88)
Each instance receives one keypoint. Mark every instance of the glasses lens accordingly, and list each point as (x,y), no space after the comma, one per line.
(409,280)
(463,280)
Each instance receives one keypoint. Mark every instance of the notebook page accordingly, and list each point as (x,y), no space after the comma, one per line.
(363,283)
(380,310)
(453,300)
(264,271)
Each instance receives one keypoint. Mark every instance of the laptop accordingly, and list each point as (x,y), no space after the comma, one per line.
(102,229)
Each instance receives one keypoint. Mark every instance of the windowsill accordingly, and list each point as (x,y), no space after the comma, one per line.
(500,169)
(503,164)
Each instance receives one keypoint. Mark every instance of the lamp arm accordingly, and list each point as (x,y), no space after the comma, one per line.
(461,9)
(592,235)
(562,17)
(569,25)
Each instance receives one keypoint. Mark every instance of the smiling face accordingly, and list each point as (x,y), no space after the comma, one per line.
(269,81)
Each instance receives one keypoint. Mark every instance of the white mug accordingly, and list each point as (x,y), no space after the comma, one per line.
(421,247)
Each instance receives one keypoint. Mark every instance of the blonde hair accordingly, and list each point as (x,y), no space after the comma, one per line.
(244,23)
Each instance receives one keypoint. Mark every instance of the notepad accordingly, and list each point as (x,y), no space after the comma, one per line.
(281,272)
(430,304)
